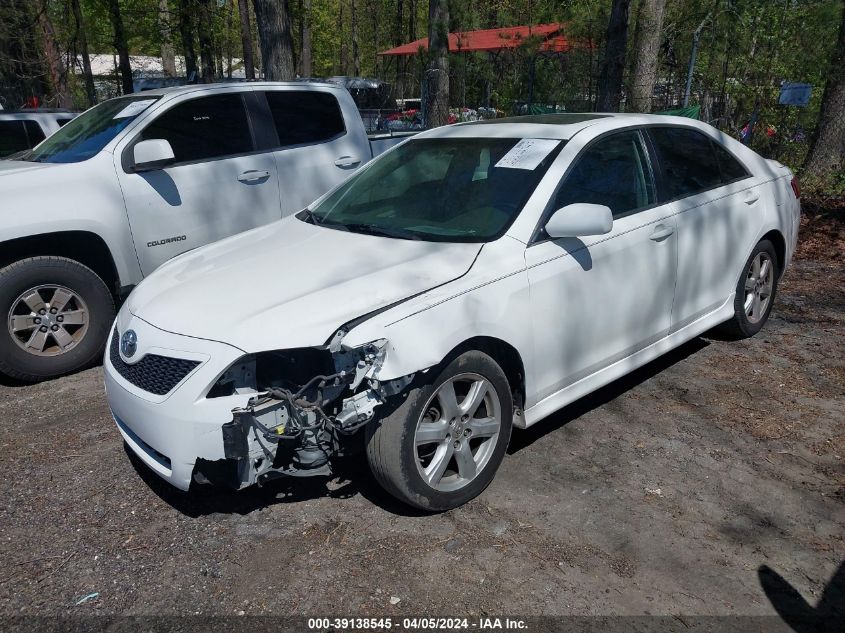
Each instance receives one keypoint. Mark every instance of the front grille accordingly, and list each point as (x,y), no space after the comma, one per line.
(153,373)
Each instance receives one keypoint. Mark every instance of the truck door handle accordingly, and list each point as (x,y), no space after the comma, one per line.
(253,175)
(751,197)
(661,232)
(347,161)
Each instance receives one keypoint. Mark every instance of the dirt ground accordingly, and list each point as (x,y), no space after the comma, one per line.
(677,490)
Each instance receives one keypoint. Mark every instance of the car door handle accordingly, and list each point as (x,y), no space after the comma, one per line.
(347,161)
(661,232)
(253,175)
(751,197)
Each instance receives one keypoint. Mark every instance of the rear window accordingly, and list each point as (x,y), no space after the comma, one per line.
(12,137)
(33,132)
(729,166)
(688,161)
(204,128)
(303,117)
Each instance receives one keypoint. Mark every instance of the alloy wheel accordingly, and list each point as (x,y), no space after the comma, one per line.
(759,283)
(48,320)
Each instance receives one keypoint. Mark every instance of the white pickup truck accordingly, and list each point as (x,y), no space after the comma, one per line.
(136,180)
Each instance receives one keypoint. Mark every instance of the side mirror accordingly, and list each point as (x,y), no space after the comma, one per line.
(151,154)
(580,219)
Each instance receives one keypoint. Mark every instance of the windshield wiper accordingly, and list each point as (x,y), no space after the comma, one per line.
(381,231)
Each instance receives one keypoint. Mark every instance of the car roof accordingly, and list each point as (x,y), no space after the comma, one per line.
(554,126)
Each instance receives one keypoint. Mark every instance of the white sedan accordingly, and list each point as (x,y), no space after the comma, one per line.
(473,279)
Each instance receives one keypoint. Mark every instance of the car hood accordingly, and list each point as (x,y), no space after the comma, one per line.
(290,284)
(8,167)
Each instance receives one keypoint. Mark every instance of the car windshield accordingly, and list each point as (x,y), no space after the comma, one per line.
(449,190)
(87,134)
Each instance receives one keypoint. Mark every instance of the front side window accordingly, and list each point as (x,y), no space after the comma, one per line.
(87,134)
(689,162)
(613,172)
(304,116)
(204,128)
(447,190)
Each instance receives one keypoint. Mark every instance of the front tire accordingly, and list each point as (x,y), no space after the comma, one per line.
(56,317)
(755,292)
(442,445)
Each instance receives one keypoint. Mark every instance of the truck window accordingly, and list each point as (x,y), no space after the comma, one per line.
(204,128)
(304,116)
(12,137)
(33,132)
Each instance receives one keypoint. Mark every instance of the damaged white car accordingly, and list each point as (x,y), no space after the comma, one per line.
(475,278)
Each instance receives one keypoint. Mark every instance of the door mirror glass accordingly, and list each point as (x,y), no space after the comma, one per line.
(154,153)
(580,219)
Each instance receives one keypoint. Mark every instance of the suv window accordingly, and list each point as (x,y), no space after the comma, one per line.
(204,128)
(12,137)
(730,168)
(688,160)
(305,116)
(614,172)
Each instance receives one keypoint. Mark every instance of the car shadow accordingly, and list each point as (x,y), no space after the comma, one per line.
(524,438)
(351,474)
(351,477)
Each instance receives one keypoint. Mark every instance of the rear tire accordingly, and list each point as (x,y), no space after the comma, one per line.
(56,314)
(755,292)
(441,446)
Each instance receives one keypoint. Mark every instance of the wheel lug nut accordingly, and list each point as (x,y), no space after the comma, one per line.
(37,320)
(60,318)
(55,328)
(53,310)
(42,311)
(466,431)
(43,328)
(457,444)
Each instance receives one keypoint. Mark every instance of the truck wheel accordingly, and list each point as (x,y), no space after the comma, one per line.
(57,315)
(755,293)
(442,445)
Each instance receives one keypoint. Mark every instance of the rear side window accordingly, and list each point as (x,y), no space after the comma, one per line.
(12,137)
(688,160)
(304,117)
(34,132)
(729,166)
(203,129)
(613,172)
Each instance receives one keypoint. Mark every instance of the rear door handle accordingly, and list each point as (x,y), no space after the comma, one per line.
(253,175)
(661,232)
(347,161)
(751,197)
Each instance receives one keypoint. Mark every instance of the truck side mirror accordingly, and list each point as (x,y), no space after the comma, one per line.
(580,219)
(151,154)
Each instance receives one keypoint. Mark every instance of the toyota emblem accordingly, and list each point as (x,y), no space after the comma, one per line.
(129,343)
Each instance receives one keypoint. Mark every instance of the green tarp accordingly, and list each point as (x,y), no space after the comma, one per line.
(692,112)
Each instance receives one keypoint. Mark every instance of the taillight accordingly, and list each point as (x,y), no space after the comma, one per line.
(796,188)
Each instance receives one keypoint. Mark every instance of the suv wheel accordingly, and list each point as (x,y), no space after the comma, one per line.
(56,314)
(442,445)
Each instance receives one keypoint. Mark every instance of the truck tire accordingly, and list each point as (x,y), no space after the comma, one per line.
(56,317)
(441,445)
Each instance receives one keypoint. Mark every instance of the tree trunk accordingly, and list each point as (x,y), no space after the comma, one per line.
(168,55)
(827,150)
(399,89)
(186,34)
(274,33)
(55,67)
(646,48)
(205,36)
(610,82)
(356,53)
(121,47)
(246,38)
(82,38)
(305,35)
(437,75)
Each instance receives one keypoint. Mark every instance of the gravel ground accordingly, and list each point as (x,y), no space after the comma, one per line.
(676,490)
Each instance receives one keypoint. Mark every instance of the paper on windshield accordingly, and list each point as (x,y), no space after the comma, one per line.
(528,153)
(134,108)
